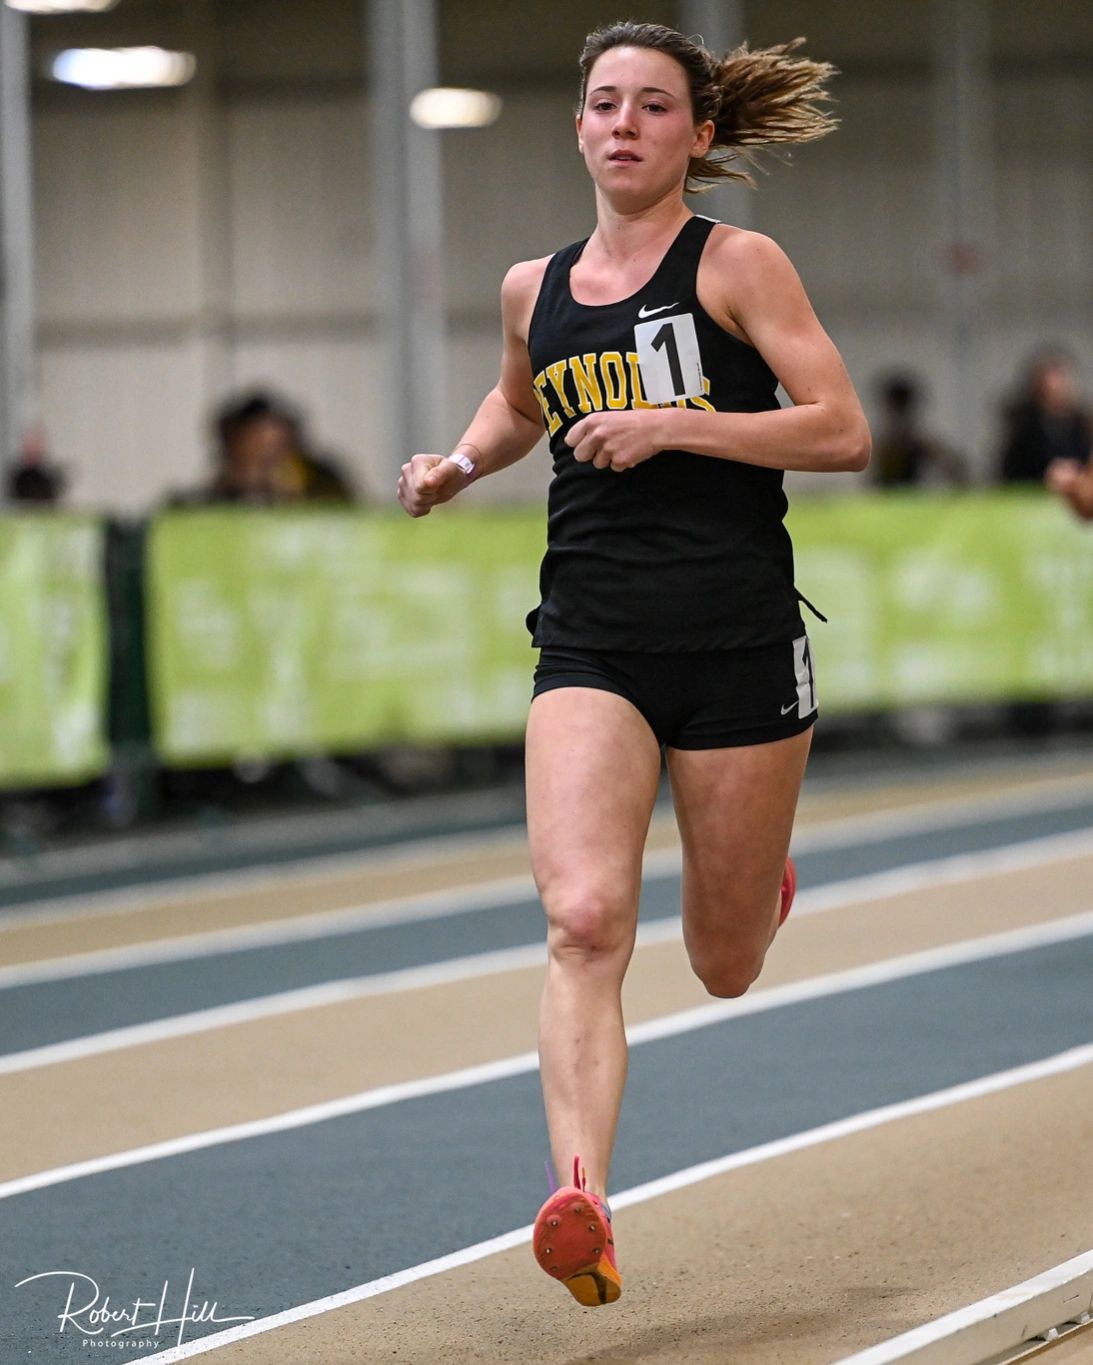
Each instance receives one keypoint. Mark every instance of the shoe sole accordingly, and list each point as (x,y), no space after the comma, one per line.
(570,1241)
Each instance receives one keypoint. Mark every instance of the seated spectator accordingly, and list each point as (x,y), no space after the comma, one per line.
(32,478)
(1046,421)
(255,441)
(34,483)
(307,474)
(903,452)
(263,457)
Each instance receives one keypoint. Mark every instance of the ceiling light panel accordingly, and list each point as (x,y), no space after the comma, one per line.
(122,68)
(444,106)
(62,6)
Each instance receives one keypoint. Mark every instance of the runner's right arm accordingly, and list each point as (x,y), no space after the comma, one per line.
(508,423)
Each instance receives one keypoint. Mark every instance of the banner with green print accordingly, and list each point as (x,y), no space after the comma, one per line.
(53,650)
(278,633)
(284,633)
(946,598)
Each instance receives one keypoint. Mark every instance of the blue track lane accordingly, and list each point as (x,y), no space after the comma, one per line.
(275,1221)
(36,1015)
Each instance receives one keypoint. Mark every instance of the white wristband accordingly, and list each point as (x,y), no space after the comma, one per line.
(465,463)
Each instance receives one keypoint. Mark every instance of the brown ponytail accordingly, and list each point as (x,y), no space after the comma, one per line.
(755,99)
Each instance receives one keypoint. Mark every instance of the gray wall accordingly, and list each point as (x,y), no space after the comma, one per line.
(195,241)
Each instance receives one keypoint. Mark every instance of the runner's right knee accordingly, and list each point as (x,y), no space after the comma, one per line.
(588,922)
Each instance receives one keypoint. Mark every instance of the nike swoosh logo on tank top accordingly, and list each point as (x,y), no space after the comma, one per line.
(644,312)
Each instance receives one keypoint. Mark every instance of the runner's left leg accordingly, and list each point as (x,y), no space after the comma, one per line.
(735,809)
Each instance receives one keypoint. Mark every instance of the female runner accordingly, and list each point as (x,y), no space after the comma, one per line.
(668,615)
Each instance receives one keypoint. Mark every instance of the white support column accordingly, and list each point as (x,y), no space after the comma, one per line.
(964,161)
(407,202)
(719,26)
(18,403)
(206,119)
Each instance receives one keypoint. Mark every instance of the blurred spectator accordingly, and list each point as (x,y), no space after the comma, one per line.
(1046,421)
(903,452)
(31,478)
(1073,482)
(1047,440)
(313,476)
(264,456)
(255,441)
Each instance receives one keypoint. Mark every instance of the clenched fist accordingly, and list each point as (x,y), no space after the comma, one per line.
(615,440)
(427,481)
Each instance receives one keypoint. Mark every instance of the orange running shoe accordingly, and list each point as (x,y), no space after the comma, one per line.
(789,890)
(573,1242)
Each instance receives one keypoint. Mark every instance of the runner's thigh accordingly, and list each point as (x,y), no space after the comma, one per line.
(593,770)
(735,809)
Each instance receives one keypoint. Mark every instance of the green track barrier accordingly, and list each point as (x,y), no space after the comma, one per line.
(946,598)
(279,633)
(53,650)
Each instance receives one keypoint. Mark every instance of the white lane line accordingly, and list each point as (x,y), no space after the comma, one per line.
(868,827)
(872,827)
(951,870)
(408,856)
(509,890)
(994,1325)
(639,1194)
(500,812)
(669,1025)
(273,933)
(873,974)
(292,1001)
(853,891)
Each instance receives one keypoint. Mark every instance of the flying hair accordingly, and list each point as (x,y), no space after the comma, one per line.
(755,99)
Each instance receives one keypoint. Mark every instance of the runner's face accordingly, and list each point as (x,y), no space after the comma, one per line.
(637,130)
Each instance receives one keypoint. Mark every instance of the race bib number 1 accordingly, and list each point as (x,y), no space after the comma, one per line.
(671,366)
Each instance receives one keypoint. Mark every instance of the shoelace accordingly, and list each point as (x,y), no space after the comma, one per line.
(580,1180)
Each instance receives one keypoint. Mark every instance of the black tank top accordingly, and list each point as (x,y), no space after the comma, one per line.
(683,552)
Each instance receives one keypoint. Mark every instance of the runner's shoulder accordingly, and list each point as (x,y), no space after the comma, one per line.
(743,270)
(519,291)
(523,279)
(738,246)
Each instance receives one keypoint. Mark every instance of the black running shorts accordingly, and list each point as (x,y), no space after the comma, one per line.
(709,700)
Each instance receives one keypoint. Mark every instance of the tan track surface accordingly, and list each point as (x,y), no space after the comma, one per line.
(796,1261)
(1078,1350)
(300,892)
(225,1076)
